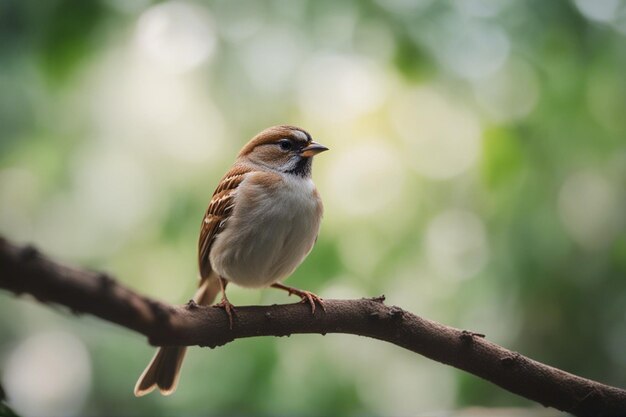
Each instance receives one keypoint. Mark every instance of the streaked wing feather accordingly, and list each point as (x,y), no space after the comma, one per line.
(216,216)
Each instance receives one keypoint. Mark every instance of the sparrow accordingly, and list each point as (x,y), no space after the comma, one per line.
(262,221)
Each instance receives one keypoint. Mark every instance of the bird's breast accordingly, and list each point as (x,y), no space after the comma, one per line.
(273,227)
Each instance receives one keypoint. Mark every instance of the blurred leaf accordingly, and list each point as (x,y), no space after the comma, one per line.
(5,410)
(619,255)
(322,264)
(411,60)
(69,36)
(472,388)
(502,158)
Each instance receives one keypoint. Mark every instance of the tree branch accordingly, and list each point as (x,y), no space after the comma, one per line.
(25,270)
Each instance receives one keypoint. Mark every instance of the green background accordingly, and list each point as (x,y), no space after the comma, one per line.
(476,177)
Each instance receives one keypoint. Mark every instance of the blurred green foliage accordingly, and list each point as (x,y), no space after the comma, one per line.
(477,177)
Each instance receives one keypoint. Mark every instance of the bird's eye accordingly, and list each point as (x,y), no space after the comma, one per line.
(285,144)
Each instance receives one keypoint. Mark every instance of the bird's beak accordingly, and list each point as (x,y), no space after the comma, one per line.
(313,149)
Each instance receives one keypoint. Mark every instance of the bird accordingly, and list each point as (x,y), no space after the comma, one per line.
(261,223)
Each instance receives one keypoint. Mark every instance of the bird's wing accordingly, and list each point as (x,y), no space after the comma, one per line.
(217,214)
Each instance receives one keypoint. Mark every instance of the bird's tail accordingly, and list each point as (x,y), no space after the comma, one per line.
(163,370)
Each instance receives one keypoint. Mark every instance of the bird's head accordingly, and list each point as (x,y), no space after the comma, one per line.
(286,149)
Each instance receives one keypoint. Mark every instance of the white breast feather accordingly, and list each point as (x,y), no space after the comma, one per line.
(265,241)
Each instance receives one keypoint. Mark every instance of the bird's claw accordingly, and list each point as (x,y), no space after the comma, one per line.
(309,297)
(228,308)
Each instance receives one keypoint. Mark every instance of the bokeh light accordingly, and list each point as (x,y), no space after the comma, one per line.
(509,94)
(48,374)
(365,178)
(598,10)
(456,244)
(178,36)
(272,58)
(443,137)
(590,210)
(470,48)
(336,88)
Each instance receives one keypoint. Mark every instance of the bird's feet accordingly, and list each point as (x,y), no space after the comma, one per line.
(228,308)
(225,304)
(306,296)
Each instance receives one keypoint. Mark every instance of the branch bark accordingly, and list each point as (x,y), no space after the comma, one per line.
(23,270)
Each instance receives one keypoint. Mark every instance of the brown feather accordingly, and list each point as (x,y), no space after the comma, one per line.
(220,208)
(163,370)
